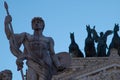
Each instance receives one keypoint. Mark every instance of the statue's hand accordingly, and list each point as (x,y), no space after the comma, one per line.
(8,19)
(19,64)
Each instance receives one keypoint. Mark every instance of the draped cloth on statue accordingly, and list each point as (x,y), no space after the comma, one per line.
(43,71)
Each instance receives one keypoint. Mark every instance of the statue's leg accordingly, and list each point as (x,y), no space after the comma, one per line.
(31,74)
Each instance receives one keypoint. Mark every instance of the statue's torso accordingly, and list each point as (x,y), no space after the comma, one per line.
(37,46)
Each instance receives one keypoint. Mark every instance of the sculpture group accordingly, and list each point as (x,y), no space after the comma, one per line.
(42,61)
(38,50)
(101,40)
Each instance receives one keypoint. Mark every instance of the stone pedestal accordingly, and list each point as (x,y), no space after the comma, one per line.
(92,68)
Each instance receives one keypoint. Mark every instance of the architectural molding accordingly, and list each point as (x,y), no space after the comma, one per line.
(92,68)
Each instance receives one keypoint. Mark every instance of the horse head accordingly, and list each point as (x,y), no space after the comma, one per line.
(116,28)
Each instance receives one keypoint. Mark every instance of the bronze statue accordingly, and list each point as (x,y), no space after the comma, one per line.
(38,50)
(89,43)
(101,40)
(6,75)
(115,40)
(74,48)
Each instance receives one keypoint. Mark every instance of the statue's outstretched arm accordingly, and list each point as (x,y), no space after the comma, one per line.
(107,33)
(8,20)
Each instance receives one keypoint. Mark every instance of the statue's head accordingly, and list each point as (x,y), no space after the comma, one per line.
(101,34)
(88,28)
(116,28)
(6,75)
(72,35)
(38,23)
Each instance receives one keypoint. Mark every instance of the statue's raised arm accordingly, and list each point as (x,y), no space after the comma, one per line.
(8,20)
(108,32)
(8,25)
(15,40)
(10,33)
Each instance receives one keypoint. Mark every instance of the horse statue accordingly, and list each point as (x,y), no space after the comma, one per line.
(74,48)
(89,43)
(115,40)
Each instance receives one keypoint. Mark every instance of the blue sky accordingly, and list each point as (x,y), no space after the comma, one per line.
(61,17)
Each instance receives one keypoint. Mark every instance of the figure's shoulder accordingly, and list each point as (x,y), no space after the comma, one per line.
(22,35)
(27,34)
(49,38)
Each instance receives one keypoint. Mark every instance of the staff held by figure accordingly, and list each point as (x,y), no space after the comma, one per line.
(13,37)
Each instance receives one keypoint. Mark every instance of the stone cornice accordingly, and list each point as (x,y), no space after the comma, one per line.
(81,67)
